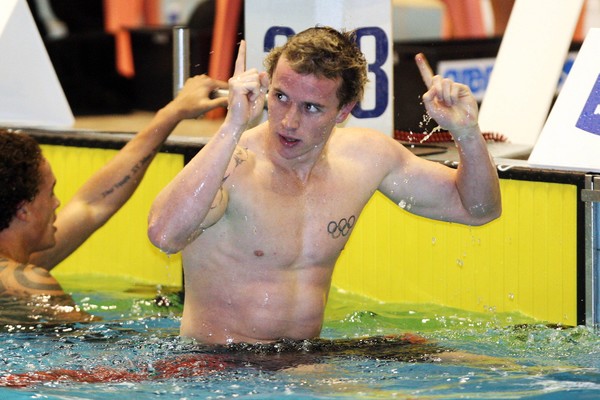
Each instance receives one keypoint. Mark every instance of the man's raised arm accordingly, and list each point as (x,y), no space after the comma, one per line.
(196,198)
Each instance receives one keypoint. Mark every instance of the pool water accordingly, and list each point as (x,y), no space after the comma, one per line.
(138,336)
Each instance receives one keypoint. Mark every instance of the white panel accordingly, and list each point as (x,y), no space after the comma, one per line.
(30,93)
(528,67)
(571,136)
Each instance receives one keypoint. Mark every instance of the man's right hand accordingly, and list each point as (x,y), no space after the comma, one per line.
(247,93)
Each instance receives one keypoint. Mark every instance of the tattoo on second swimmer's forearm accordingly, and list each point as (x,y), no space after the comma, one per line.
(343,227)
(143,162)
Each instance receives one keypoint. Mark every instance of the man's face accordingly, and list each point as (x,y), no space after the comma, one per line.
(303,111)
(42,210)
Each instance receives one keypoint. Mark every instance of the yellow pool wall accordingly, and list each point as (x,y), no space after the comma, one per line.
(121,246)
(525,261)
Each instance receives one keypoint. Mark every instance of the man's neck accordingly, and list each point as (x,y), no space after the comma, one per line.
(12,252)
(303,166)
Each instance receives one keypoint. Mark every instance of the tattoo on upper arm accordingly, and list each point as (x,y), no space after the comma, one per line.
(142,162)
(343,227)
(35,278)
(239,156)
(27,279)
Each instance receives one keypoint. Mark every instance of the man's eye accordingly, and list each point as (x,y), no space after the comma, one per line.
(311,108)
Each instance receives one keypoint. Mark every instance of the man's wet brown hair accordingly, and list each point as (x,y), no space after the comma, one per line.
(325,52)
(20,178)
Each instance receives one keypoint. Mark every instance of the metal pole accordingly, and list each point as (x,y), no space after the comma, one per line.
(181,57)
(591,197)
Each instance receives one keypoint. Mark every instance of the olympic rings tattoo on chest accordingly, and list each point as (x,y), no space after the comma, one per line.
(341,228)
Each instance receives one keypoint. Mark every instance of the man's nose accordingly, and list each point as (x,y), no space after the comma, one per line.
(291,118)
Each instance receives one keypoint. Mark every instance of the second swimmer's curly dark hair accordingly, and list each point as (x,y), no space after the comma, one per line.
(20,160)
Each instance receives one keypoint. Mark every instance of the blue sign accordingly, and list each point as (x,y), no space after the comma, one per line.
(375,67)
(475,77)
(475,73)
(589,120)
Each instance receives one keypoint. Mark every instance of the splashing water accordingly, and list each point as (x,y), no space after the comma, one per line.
(139,338)
(425,120)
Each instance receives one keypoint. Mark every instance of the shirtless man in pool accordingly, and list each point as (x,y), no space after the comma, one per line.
(262,214)
(33,239)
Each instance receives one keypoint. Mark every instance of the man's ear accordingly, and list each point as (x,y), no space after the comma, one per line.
(344,112)
(23,211)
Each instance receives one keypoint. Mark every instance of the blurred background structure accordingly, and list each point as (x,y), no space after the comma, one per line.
(114,57)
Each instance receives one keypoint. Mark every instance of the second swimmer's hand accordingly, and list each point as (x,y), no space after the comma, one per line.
(247,92)
(193,100)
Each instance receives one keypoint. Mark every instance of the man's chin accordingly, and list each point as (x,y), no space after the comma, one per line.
(47,245)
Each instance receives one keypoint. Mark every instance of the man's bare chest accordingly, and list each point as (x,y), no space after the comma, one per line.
(314,223)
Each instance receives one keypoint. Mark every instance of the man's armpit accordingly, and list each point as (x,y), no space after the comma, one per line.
(217,209)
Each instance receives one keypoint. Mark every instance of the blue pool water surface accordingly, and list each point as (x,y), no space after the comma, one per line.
(136,335)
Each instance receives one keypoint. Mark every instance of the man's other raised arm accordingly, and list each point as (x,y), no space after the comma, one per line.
(454,108)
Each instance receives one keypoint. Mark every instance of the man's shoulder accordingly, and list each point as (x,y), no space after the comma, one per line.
(358,132)
(361,139)
(26,279)
(252,138)
(6,262)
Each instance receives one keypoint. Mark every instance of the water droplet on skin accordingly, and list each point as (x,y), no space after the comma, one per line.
(511,296)
(433,240)
(459,262)
(199,189)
